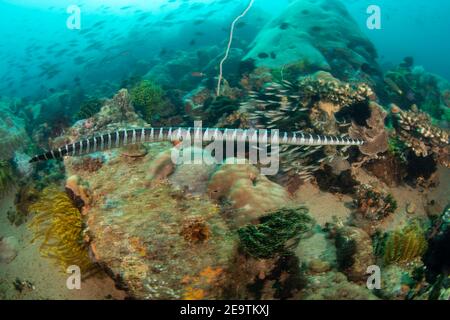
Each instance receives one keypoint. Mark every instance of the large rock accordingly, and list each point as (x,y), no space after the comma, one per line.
(314,35)
(157,242)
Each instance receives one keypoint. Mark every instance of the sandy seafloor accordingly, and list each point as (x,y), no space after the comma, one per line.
(50,281)
(48,278)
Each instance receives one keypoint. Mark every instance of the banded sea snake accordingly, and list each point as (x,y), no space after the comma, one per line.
(123,137)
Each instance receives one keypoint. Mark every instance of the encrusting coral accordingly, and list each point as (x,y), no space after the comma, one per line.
(276,233)
(59,225)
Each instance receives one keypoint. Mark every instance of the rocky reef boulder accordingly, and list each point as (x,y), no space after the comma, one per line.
(315,35)
(156,240)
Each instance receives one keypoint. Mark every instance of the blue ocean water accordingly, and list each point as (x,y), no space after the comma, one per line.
(121,38)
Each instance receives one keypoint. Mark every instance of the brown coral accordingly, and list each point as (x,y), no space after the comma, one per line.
(195,230)
(250,193)
(374,134)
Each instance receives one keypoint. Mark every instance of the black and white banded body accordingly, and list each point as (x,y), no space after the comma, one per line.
(124,137)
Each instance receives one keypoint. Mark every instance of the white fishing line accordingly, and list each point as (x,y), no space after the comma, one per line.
(229,45)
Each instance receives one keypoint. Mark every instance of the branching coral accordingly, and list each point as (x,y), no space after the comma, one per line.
(277,232)
(6,176)
(403,246)
(415,130)
(148,98)
(58,223)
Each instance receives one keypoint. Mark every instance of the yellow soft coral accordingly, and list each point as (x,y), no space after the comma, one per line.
(58,223)
(406,245)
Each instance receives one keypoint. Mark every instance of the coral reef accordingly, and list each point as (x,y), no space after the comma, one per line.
(59,225)
(415,129)
(78,190)
(200,105)
(26,195)
(250,193)
(88,163)
(409,85)
(320,35)
(276,233)
(389,168)
(274,278)
(195,230)
(193,178)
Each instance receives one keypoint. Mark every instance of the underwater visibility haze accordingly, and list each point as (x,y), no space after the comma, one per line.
(225,149)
